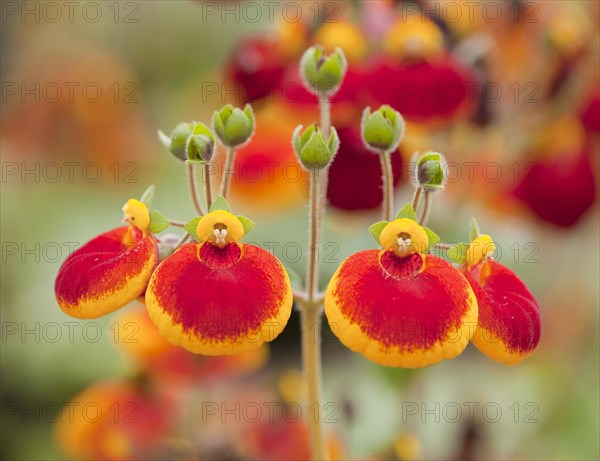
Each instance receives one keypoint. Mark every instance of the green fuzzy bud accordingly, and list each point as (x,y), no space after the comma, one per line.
(322,74)
(234,126)
(176,144)
(430,171)
(201,144)
(313,150)
(382,130)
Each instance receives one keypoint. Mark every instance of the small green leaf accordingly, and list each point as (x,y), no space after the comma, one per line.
(158,222)
(247,224)
(148,196)
(458,253)
(432,237)
(220,204)
(295,279)
(191,227)
(474,231)
(408,212)
(376,230)
(164,139)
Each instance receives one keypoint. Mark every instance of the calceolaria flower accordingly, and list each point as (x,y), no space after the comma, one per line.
(218,296)
(112,269)
(509,325)
(400,306)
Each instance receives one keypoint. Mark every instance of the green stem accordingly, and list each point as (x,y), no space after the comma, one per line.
(312,271)
(194,188)
(311,323)
(388,185)
(325,107)
(426,208)
(311,358)
(207,185)
(228,169)
(176,223)
(417,198)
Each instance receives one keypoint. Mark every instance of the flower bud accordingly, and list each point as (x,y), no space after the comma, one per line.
(200,146)
(383,129)
(176,144)
(234,126)
(313,150)
(323,75)
(430,170)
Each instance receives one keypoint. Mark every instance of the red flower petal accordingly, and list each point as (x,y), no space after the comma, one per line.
(219,301)
(106,273)
(510,324)
(397,316)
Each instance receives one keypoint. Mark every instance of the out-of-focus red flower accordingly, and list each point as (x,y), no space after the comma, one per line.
(285,440)
(435,91)
(113,420)
(559,185)
(140,340)
(257,67)
(355,178)
(590,116)
(267,169)
(258,64)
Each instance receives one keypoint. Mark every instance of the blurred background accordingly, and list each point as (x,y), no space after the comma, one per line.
(506,90)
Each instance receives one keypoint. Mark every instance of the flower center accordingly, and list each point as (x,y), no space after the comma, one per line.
(481,248)
(136,214)
(404,237)
(220,228)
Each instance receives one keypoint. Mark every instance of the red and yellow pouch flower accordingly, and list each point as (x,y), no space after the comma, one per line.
(509,325)
(218,296)
(399,306)
(112,269)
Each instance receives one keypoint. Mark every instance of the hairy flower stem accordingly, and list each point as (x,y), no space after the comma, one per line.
(325,107)
(312,271)
(311,322)
(194,188)
(417,198)
(388,185)
(176,223)
(227,171)
(426,208)
(311,359)
(207,185)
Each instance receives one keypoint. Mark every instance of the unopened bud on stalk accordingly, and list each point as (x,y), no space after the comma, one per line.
(383,129)
(313,150)
(323,74)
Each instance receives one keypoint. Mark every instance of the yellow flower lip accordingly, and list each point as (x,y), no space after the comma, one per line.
(136,214)
(404,237)
(220,227)
(481,248)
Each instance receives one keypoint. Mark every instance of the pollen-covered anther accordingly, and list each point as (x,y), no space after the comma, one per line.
(220,236)
(136,213)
